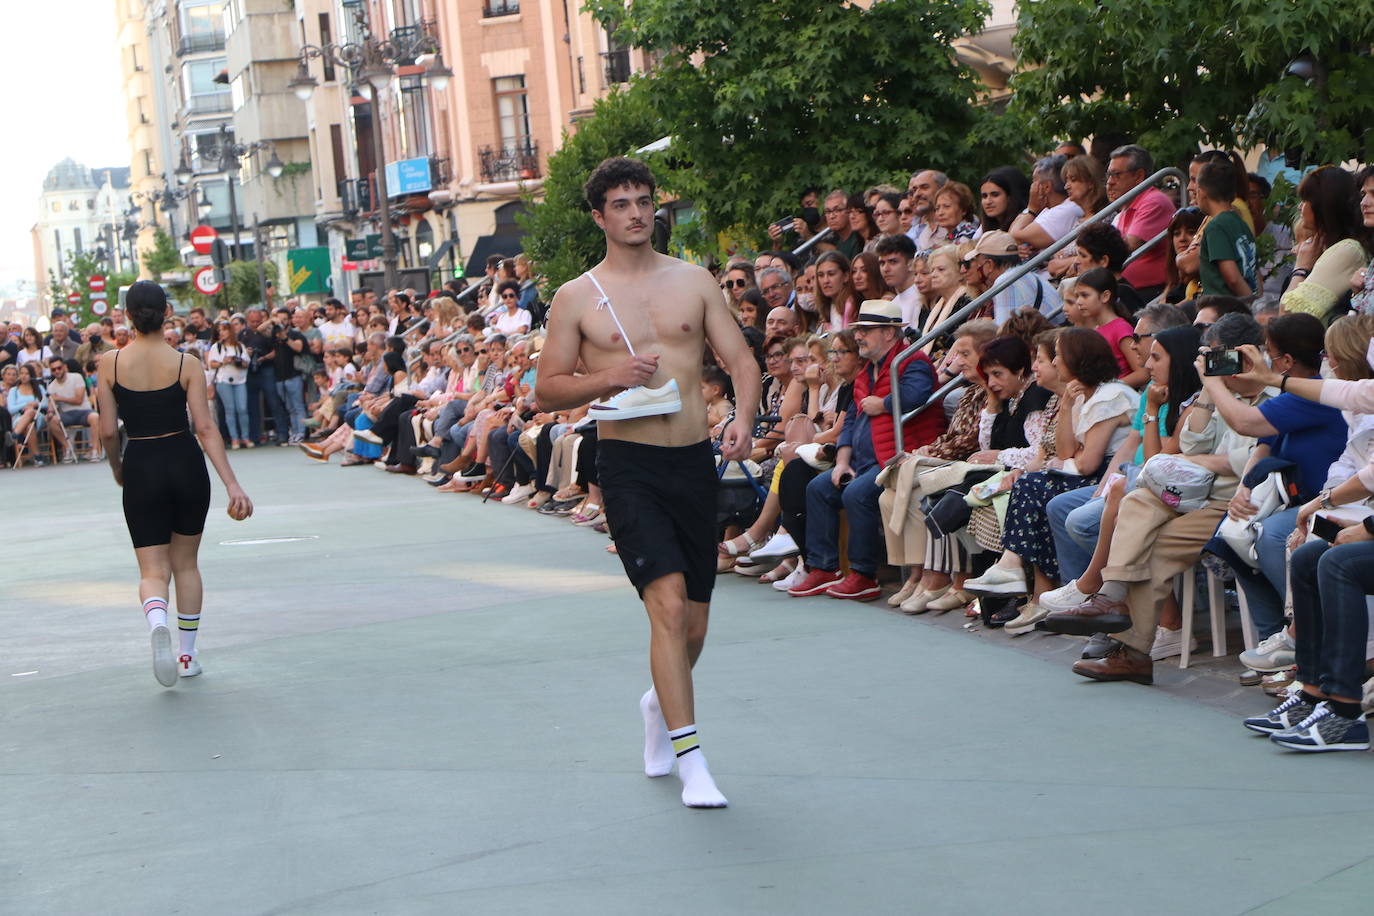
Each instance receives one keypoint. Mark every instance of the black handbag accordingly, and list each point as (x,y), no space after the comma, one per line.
(946,512)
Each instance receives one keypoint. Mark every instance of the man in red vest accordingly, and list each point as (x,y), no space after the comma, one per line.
(867,443)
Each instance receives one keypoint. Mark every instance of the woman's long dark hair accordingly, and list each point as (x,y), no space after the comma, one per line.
(1181,343)
(1334,197)
(1016,186)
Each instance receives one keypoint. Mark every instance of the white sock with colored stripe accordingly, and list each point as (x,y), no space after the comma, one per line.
(698,788)
(155,610)
(188,625)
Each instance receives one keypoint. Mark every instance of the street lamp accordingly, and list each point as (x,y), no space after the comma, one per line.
(371,64)
(167,199)
(225,152)
(203,205)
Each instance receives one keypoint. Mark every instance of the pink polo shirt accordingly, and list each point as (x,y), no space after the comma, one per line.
(1147,216)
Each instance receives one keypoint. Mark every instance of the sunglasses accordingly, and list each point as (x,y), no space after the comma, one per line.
(482,352)
(739,283)
(467,350)
(1139,337)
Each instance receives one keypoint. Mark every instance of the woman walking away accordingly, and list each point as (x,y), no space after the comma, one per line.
(162,471)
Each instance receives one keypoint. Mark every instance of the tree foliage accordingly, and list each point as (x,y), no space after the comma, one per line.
(1173,73)
(163,257)
(241,291)
(561,238)
(766,97)
(80,268)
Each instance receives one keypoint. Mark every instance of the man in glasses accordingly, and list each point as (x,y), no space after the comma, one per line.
(640,318)
(1143,219)
(920,191)
(775,285)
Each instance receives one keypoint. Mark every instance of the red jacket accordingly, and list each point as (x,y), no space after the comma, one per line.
(922,429)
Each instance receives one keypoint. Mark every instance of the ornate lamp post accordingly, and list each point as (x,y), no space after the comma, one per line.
(371,63)
(226,153)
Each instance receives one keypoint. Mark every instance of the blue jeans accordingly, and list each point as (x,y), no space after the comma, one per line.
(1264,588)
(234,399)
(859,500)
(1075,520)
(291,394)
(1330,614)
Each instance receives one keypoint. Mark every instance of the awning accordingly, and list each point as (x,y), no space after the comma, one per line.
(502,243)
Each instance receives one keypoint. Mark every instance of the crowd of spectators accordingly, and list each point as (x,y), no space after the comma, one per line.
(1129,413)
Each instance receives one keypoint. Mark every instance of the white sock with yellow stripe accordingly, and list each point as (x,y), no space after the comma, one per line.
(698,788)
(188,626)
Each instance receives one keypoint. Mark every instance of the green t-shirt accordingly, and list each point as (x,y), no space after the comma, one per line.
(1138,424)
(1226,238)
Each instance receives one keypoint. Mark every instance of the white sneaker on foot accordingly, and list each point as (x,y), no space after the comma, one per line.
(1274,653)
(187,666)
(779,546)
(164,660)
(1064,598)
(367,435)
(1169,643)
(521,493)
(1030,615)
(633,403)
(919,601)
(791,579)
(998,580)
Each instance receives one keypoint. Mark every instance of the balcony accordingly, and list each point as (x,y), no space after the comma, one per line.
(218,103)
(510,163)
(617,64)
(200,44)
(494,8)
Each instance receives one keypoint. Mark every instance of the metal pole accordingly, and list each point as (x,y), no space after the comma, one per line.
(383,205)
(257,257)
(233,217)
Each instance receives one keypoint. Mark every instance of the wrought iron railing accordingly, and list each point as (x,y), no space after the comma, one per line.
(200,44)
(493,8)
(209,104)
(510,163)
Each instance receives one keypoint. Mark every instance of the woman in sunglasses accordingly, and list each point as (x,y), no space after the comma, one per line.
(738,278)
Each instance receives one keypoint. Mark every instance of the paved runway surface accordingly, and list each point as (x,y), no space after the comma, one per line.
(429,706)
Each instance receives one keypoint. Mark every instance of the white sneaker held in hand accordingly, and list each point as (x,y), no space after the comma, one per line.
(633,403)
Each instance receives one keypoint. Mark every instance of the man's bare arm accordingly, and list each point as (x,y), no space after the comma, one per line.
(727,340)
(557,388)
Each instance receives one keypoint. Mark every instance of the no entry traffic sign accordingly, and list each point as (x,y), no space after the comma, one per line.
(206,282)
(74,298)
(96,284)
(202,237)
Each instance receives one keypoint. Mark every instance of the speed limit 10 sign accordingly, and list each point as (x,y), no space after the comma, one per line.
(206,282)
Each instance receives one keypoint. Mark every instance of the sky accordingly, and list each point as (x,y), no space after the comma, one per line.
(64,97)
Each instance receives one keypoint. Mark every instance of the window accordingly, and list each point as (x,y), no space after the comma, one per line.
(90,204)
(76,239)
(415,117)
(57,243)
(233,15)
(326,38)
(239,91)
(133,57)
(147,162)
(56,207)
(336,143)
(73,205)
(512,111)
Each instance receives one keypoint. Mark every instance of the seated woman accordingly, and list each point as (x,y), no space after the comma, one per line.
(808,414)
(947,296)
(1181,284)
(955,213)
(1173,383)
(1011,424)
(836,303)
(1098,409)
(867,279)
(906,537)
(1312,436)
(27,403)
(1337,244)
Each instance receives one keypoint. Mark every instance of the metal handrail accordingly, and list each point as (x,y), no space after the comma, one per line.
(805,246)
(1004,282)
(1144,247)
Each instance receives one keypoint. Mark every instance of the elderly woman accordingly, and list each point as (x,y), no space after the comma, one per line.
(955,213)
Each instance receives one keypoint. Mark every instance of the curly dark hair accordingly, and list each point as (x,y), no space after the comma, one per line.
(1104,240)
(1087,356)
(1007,352)
(616,172)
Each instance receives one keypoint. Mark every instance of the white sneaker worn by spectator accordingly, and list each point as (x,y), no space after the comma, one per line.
(367,435)
(791,579)
(521,493)
(1274,653)
(998,580)
(1063,598)
(1169,643)
(779,546)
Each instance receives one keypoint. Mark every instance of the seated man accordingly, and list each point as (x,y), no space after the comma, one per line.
(67,394)
(867,442)
(1152,543)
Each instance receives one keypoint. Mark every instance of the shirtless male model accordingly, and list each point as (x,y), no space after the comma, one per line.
(640,318)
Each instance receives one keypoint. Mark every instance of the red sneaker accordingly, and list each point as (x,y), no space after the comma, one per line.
(855,587)
(816,582)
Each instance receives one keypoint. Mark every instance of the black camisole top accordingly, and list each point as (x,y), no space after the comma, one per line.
(151,413)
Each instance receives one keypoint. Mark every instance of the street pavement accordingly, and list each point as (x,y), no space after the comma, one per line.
(416,703)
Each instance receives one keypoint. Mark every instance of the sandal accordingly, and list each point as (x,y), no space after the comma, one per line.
(731,549)
(781,571)
(589,515)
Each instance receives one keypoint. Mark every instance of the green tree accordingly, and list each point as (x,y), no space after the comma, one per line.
(560,237)
(163,257)
(766,97)
(241,291)
(1174,73)
(80,268)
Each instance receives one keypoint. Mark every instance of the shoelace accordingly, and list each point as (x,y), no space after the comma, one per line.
(1272,643)
(1293,700)
(1320,712)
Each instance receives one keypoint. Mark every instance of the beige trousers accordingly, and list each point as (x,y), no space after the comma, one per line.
(1152,544)
(907,548)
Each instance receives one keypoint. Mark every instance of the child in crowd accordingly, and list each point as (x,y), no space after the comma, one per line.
(714,385)
(1100,308)
(1226,260)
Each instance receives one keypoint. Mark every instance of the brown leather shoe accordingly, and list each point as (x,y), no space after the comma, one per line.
(1121,664)
(457,465)
(1096,615)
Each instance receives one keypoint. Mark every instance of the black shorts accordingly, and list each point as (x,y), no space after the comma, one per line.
(661,509)
(166,489)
